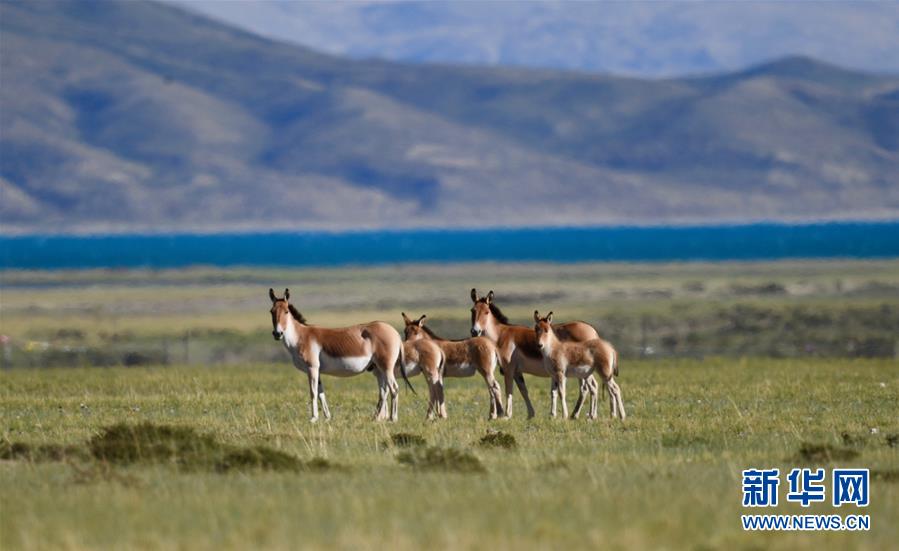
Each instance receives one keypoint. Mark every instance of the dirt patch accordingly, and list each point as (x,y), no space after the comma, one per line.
(441,459)
(498,439)
(824,453)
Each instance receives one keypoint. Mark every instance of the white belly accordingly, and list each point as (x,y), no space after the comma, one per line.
(460,370)
(579,371)
(412,369)
(344,366)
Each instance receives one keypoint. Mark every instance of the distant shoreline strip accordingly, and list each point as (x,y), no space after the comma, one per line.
(566,245)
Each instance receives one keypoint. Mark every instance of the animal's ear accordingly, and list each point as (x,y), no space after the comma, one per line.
(549,317)
(286,294)
(406,319)
(474,295)
(271,294)
(489,297)
(421,320)
(536,317)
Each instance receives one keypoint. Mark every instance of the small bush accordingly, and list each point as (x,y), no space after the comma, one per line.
(123,444)
(498,439)
(892,440)
(824,453)
(855,440)
(258,457)
(40,452)
(407,440)
(320,464)
(890,476)
(441,459)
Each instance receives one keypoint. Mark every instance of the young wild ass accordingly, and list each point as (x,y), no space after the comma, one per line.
(463,358)
(340,352)
(427,358)
(577,359)
(518,352)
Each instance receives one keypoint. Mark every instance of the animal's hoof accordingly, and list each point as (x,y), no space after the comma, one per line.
(313,419)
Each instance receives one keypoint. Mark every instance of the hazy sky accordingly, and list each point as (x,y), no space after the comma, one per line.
(639,38)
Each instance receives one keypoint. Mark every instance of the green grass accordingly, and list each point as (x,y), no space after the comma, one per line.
(233,463)
(669,477)
(215,316)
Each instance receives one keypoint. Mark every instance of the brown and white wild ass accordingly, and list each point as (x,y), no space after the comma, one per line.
(463,358)
(579,360)
(427,358)
(518,352)
(340,352)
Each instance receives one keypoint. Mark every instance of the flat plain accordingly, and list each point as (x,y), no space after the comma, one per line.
(669,477)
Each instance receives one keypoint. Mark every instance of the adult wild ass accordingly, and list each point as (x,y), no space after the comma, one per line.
(518,352)
(340,352)
(463,358)
(579,360)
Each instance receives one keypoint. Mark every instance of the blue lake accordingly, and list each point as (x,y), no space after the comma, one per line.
(629,244)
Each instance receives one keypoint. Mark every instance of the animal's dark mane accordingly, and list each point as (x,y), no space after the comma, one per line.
(296,314)
(434,336)
(498,314)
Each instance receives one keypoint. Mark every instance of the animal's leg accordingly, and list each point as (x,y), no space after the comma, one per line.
(381,410)
(561,391)
(613,404)
(575,413)
(594,396)
(441,397)
(498,395)
(313,392)
(617,392)
(432,399)
(496,399)
(554,397)
(323,400)
(509,378)
(522,387)
(394,389)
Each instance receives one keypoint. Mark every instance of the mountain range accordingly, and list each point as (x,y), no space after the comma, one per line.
(646,39)
(140,116)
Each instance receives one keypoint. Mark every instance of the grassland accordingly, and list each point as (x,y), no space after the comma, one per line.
(209,316)
(667,478)
(726,366)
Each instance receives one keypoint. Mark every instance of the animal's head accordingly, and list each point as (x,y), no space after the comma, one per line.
(283,313)
(481,313)
(415,329)
(543,327)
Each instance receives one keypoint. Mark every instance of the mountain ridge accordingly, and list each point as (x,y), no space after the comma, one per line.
(110,126)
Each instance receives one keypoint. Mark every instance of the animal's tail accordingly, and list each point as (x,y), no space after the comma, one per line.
(614,362)
(401,361)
